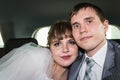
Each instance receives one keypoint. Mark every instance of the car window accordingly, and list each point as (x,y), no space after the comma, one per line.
(1,41)
(41,35)
(113,32)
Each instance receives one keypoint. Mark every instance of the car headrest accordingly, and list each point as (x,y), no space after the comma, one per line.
(17,42)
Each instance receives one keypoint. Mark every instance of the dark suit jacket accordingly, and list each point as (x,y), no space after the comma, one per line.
(111,69)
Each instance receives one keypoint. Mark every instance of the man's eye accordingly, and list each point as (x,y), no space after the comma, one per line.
(89,21)
(76,25)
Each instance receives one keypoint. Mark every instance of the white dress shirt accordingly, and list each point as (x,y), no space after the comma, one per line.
(97,69)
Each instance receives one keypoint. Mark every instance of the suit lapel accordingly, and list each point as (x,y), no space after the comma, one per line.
(109,61)
(74,70)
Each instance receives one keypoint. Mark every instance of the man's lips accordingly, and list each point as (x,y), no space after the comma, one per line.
(85,38)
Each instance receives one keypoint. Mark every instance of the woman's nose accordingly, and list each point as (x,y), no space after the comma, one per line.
(65,49)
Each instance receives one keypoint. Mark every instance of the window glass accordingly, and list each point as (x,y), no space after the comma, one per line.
(41,35)
(113,32)
(1,41)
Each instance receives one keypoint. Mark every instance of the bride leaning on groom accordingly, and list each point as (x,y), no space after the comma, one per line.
(33,62)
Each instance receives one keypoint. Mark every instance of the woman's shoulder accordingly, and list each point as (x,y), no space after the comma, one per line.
(29,51)
(29,59)
(34,48)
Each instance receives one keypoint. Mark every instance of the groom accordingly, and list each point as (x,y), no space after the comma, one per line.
(89,27)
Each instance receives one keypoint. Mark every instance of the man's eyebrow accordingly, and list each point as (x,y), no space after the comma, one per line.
(87,18)
(74,23)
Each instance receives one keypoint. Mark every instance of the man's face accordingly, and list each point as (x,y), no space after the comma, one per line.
(88,30)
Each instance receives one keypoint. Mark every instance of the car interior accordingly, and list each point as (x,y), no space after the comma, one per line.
(23,21)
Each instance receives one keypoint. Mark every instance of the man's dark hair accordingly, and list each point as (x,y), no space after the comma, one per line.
(80,6)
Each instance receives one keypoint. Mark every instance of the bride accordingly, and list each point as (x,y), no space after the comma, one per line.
(33,62)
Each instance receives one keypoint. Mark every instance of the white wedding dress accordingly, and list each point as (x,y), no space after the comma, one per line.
(29,62)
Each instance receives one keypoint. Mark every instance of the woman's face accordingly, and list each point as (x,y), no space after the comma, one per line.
(64,51)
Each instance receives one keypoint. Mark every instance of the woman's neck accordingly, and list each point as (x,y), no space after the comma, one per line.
(60,73)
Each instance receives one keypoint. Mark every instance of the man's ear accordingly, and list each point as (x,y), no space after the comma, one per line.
(106,24)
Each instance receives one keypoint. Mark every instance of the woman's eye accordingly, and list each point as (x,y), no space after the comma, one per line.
(72,42)
(56,44)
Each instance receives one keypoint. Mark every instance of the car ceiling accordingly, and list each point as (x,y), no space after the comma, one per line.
(28,15)
(45,12)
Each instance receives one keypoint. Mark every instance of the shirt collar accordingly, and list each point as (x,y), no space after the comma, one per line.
(99,57)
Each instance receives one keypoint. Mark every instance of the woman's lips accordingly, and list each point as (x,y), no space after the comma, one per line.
(66,57)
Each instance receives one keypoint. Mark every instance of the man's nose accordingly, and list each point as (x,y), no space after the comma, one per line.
(83,29)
